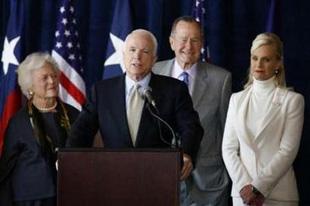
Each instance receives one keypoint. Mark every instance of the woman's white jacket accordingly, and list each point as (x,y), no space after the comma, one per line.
(265,160)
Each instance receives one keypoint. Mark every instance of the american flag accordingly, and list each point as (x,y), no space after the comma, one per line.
(273,23)
(198,12)
(68,56)
(10,96)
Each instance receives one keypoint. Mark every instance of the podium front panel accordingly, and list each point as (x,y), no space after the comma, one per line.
(90,177)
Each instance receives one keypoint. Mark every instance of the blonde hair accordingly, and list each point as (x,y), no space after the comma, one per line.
(273,40)
(33,62)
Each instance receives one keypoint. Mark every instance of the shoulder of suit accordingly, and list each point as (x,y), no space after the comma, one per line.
(109,81)
(291,92)
(211,68)
(20,115)
(239,96)
(292,95)
(162,63)
(158,67)
(72,110)
(165,78)
(281,95)
(240,93)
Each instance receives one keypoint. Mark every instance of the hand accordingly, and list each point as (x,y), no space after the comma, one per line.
(259,200)
(247,194)
(187,166)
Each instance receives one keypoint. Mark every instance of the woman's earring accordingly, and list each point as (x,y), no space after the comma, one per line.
(276,71)
(30,93)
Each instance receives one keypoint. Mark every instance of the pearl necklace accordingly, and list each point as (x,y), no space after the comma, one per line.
(47,109)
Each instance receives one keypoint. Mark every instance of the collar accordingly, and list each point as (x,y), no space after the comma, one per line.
(177,70)
(129,83)
(264,87)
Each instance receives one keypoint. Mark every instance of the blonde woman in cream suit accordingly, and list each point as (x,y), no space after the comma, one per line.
(262,132)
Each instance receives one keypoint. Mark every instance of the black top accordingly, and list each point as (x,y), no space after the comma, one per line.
(24,167)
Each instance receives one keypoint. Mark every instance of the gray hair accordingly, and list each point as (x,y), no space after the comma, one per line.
(145,32)
(33,62)
(272,39)
(189,20)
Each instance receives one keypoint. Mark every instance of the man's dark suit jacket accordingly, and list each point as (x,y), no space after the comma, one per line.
(107,112)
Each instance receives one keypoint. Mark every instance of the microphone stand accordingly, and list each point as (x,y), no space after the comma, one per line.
(176,142)
(159,120)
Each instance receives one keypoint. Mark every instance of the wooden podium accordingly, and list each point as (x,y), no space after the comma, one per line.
(144,177)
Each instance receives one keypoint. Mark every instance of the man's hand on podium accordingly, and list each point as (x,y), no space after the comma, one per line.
(187,166)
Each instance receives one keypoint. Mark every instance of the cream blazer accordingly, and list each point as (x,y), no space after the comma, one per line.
(266,159)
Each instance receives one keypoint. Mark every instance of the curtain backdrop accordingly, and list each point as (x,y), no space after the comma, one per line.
(230,26)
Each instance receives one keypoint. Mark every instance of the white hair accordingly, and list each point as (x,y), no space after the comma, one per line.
(145,32)
(33,62)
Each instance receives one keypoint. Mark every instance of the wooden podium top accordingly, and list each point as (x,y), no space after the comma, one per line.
(95,176)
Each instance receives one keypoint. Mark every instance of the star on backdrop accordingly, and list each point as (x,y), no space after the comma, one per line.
(120,28)
(8,56)
(117,56)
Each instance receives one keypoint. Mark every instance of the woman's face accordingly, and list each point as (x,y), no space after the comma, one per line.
(264,62)
(45,82)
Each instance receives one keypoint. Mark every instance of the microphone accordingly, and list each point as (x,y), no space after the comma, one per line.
(146,93)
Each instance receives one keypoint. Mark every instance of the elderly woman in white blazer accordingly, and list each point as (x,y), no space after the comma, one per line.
(263,129)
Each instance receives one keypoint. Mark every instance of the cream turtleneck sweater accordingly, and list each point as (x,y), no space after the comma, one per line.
(259,104)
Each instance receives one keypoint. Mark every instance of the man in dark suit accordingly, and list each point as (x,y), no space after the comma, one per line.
(111,100)
(210,88)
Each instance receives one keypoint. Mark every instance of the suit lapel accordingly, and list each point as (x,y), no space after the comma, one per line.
(247,136)
(270,115)
(241,113)
(201,82)
(118,108)
(144,122)
(272,112)
(200,85)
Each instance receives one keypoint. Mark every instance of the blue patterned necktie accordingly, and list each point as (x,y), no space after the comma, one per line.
(184,77)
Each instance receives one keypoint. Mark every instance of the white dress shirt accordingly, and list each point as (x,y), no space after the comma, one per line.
(129,85)
(177,73)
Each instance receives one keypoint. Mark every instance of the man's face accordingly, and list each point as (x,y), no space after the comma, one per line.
(186,42)
(139,55)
